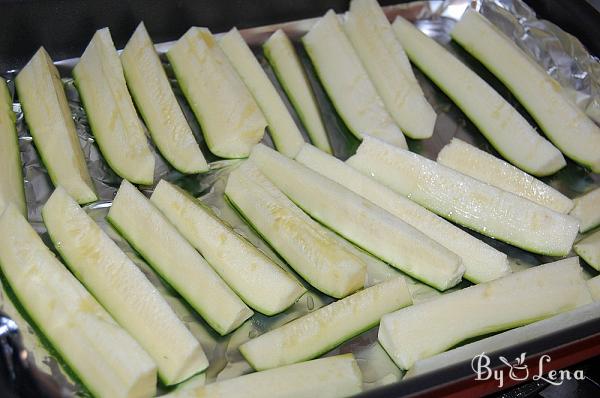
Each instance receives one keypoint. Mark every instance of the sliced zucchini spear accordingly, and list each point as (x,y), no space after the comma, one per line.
(286,135)
(320,331)
(309,248)
(589,249)
(360,221)
(482,262)
(51,125)
(231,120)
(118,284)
(280,53)
(107,360)
(587,210)
(110,111)
(157,104)
(11,171)
(347,82)
(511,135)
(158,241)
(474,162)
(261,283)
(332,377)
(431,327)
(370,32)
(467,201)
(567,126)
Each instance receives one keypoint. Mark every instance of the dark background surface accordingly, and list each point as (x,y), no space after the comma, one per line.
(65,27)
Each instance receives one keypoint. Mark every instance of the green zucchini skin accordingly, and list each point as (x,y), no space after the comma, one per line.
(428,328)
(332,377)
(149,232)
(108,361)
(563,122)
(510,133)
(156,103)
(361,221)
(261,283)
(342,76)
(464,200)
(320,331)
(282,57)
(309,248)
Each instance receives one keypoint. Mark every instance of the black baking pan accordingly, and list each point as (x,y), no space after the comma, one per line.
(64,27)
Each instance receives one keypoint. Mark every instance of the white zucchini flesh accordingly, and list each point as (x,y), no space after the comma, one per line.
(231,120)
(11,172)
(347,82)
(108,361)
(332,377)
(324,329)
(567,126)
(159,242)
(482,262)
(434,326)
(360,221)
(280,53)
(153,95)
(512,136)
(261,283)
(589,249)
(587,210)
(51,125)
(110,110)
(286,135)
(124,291)
(370,33)
(474,162)
(593,285)
(305,245)
(469,202)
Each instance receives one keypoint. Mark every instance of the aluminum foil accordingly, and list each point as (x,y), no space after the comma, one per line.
(559,53)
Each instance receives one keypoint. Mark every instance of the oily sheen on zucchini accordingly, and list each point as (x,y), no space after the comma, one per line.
(110,111)
(511,135)
(231,120)
(474,162)
(282,57)
(286,135)
(320,331)
(563,122)
(11,172)
(157,104)
(589,249)
(108,361)
(587,210)
(51,125)
(467,201)
(158,241)
(332,377)
(119,285)
(309,248)
(360,221)
(347,82)
(370,32)
(482,262)
(261,283)
(428,328)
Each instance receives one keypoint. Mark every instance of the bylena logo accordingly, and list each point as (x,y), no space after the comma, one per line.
(518,370)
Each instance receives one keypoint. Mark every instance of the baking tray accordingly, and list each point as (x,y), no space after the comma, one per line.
(570,63)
